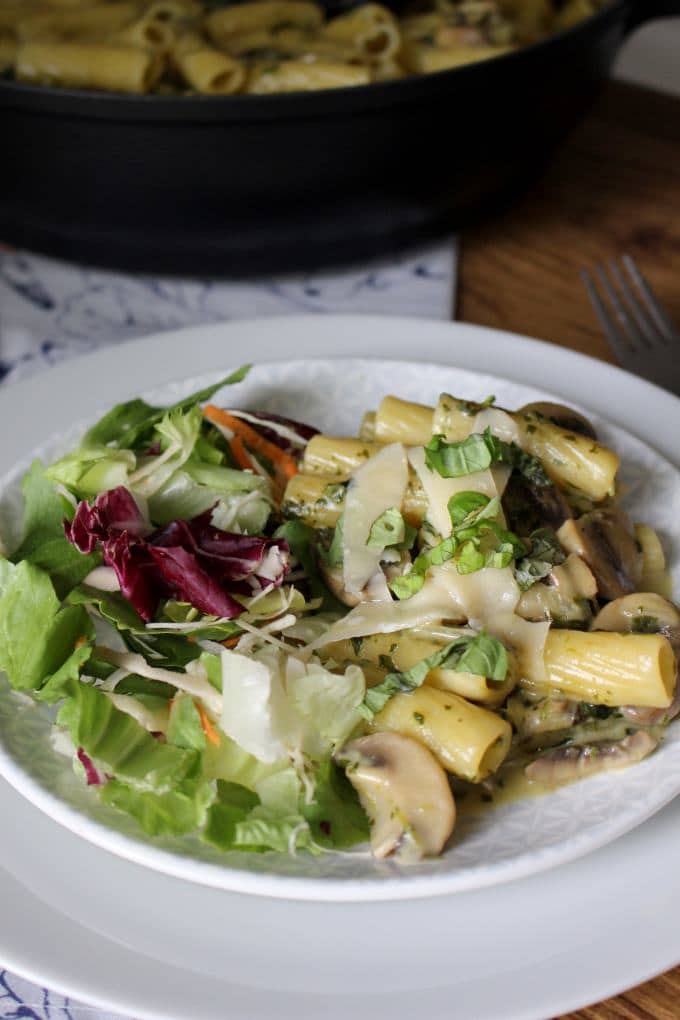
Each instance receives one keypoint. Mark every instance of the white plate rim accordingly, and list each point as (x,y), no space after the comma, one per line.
(507,351)
(231,877)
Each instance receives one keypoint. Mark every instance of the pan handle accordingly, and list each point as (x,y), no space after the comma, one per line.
(646,10)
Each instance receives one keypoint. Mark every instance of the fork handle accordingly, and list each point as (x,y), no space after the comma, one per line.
(646,10)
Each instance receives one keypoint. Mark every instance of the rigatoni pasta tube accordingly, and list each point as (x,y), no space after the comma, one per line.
(403,650)
(207,70)
(299,76)
(98,21)
(262,14)
(403,421)
(467,740)
(370,28)
(147,33)
(318,500)
(338,456)
(422,58)
(89,65)
(569,458)
(8,49)
(606,668)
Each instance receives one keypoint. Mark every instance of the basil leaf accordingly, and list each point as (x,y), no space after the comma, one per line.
(477,541)
(333,555)
(479,654)
(545,552)
(388,529)
(452,460)
(484,656)
(464,504)
(478,452)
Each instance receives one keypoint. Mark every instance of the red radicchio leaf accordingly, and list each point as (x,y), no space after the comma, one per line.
(93,775)
(186,580)
(135,572)
(112,513)
(191,561)
(227,557)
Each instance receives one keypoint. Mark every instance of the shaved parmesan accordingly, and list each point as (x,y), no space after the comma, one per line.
(376,486)
(500,423)
(440,490)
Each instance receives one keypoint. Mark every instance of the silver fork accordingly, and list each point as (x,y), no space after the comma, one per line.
(637,326)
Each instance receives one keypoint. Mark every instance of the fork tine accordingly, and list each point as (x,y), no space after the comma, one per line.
(630,328)
(615,338)
(657,312)
(646,327)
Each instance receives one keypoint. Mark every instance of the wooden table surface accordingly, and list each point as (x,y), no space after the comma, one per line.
(614,187)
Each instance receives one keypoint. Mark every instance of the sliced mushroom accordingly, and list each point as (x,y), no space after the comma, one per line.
(405,793)
(578,761)
(528,507)
(564,598)
(640,715)
(560,414)
(605,540)
(643,612)
(545,716)
(649,613)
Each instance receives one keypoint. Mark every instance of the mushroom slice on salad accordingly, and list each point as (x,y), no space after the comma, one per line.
(405,793)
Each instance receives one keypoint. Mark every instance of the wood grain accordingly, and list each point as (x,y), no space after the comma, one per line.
(614,187)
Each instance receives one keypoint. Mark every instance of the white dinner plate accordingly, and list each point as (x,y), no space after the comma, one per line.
(473,919)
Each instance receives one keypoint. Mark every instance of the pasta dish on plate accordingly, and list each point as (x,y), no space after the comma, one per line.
(260,46)
(278,640)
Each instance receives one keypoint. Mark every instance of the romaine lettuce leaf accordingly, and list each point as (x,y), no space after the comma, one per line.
(127,425)
(335,815)
(174,813)
(44,543)
(37,637)
(184,727)
(90,470)
(119,746)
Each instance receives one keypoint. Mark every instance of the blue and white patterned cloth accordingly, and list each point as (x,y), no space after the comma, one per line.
(50,311)
(53,310)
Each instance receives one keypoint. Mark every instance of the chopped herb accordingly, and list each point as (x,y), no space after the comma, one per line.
(480,654)
(419,717)
(335,492)
(386,662)
(357,642)
(545,552)
(645,624)
(477,541)
(478,452)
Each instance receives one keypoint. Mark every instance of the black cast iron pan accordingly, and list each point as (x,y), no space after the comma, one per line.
(256,184)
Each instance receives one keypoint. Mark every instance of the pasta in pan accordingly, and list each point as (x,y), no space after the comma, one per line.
(259,46)
(280,639)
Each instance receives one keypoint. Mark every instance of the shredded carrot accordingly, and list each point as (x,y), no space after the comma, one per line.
(240,454)
(232,641)
(245,436)
(208,727)
(82,640)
